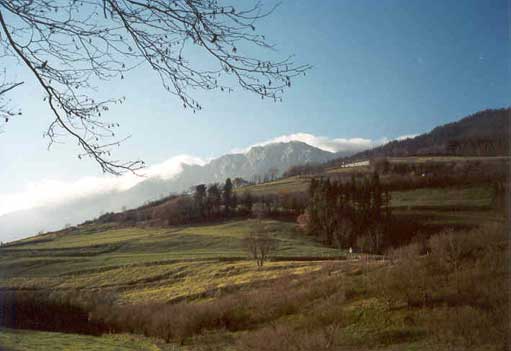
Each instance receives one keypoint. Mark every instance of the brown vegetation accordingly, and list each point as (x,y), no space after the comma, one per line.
(259,246)
(463,277)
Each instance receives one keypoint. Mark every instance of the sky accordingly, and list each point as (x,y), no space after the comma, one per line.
(381,70)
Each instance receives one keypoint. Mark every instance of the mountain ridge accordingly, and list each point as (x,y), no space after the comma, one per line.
(257,161)
(486,132)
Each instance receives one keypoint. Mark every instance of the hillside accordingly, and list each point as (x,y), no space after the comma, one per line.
(485,133)
(259,162)
(191,288)
(194,287)
(161,264)
(401,173)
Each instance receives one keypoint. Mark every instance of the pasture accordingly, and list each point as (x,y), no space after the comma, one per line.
(23,340)
(307,292)
(156,263)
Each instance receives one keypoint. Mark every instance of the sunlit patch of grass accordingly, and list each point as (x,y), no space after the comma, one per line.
(94,239)
(289,185)
(23,340)
(200,279)
(424,159)
(136,246)
(480,196)
(369,323)
(164,264)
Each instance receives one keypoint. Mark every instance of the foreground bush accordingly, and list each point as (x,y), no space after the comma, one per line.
(464,276)
(237,311)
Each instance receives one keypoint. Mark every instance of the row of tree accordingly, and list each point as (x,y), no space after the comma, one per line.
(218,200)
(352,214)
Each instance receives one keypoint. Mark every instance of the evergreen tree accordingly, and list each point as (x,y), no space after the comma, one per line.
(341,214)
(247,201)
(214,199)
(199,198)
(228,196)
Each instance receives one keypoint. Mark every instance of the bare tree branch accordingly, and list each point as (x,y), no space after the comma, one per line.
(9,87)
(70,46)
(6,111)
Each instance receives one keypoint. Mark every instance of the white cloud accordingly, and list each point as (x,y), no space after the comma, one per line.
(46,192)
(407,136)
(321,142)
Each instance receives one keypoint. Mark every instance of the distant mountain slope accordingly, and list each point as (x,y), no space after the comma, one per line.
(259,162)
(485,133)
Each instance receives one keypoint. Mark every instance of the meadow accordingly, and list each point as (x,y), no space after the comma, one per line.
(193,287)
(22,340)
(154,263)
(403,303)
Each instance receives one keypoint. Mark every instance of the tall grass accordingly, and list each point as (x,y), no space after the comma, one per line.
(450,291)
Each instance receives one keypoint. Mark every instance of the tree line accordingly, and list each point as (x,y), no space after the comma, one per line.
(352,214)
(216,200)
(344,214)
(213,201)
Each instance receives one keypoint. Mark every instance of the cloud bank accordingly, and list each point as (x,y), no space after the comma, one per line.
(407,136)
(321,142)
(53,192)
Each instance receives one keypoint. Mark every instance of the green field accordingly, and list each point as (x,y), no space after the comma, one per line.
(141,265)
(156,264)
(200,263)
(286,185)
(478,197)
(169,263)
(424,159)
(23,340)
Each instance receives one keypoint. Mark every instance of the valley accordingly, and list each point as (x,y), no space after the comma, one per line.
(212,175)
(394,253)
(191,267)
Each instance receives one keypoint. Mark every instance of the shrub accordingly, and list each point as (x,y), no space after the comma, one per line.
(467,327)
(465,276)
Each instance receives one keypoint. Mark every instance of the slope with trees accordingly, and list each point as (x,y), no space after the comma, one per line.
(485,133)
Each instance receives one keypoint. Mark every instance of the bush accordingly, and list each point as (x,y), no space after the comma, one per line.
(464,276)
(467,327)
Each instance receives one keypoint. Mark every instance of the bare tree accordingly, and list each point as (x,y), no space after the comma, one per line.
(6,111)
(342,232)
(259,246)
(273,173)
(69,46)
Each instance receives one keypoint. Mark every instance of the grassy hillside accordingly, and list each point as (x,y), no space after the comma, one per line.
(194,285)
(400,304)
(146,265)
(156,263)
(23,340)
(480,197)
(291,184)
(300,183)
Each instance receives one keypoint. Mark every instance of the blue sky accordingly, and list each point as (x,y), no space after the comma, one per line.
(382,68)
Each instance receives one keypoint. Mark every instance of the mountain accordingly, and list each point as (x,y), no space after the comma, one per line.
(258,162)
(485,133)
